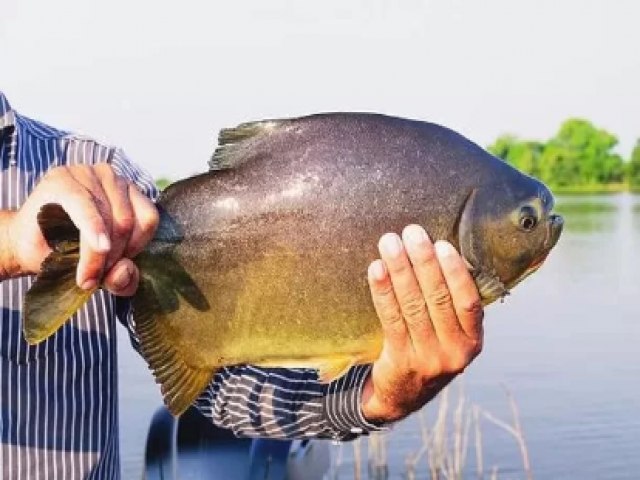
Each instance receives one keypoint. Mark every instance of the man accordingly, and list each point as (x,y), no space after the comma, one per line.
(58,402)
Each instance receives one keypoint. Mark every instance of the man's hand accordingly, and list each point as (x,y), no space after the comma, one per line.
(115,220)
(431,315)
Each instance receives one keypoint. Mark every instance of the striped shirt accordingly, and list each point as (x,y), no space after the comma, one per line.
(58,399)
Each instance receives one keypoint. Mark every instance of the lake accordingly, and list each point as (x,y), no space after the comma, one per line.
(566,344)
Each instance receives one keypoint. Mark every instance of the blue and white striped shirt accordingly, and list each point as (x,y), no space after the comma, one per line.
(58,399)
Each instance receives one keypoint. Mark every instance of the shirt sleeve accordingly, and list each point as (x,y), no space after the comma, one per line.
(129,170)
(287,403)
(275,402)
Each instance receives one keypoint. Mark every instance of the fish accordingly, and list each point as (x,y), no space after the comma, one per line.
(263,258)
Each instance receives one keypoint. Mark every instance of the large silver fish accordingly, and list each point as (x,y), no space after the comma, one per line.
(263,259)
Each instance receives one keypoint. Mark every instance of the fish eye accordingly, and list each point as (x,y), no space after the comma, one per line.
(528,219)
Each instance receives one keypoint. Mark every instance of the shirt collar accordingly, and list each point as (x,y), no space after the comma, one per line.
(8,135)
(7,115)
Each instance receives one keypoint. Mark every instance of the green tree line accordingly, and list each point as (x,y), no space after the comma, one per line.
(162,183)
(579,157)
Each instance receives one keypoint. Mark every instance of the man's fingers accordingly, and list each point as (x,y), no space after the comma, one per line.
(387,308)
(465,297)
(85,176)
(407,289)
(91,264)
(116,190)
(436,292)
(122,279)
(440,302)
(81,206)
(146,218)
(432,284)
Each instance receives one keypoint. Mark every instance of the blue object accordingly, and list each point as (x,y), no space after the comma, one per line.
(192,448)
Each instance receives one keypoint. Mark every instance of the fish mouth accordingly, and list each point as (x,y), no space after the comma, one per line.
(535,265)
(554,229)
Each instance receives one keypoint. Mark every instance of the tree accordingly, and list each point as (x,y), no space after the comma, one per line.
(591,149)
(578,155)
(633,167)
(524,155)
(559,166)
(162,183)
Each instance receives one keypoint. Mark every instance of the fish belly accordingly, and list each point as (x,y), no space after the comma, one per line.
(281,309)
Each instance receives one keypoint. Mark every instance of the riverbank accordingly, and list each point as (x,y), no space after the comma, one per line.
(595,189)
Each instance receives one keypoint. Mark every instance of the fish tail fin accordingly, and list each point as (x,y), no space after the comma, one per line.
(54,296)
(180,383)
(234,142)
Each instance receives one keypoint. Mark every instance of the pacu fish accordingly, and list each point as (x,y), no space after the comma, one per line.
(263,259)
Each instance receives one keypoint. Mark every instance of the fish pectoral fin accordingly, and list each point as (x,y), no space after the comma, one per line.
(489,286)
(334,368)
(169,281)
(54,296)
(180,382)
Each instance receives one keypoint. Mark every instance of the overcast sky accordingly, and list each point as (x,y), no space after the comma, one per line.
(160,78)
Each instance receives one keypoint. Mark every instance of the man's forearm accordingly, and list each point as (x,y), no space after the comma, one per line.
(8,265)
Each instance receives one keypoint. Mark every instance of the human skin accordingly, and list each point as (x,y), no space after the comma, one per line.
(431,315)
(115,221)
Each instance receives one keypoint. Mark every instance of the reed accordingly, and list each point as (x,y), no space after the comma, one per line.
(357,458)
(445,443)
(515,429)
(377,460)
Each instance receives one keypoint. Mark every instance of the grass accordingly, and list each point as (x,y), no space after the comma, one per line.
(445,444)
(593,189)
(582,207)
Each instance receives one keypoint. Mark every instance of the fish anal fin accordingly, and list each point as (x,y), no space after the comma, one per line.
(180,382)
(179,394)
(333,368)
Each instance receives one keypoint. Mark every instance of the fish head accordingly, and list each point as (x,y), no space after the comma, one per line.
(506,231)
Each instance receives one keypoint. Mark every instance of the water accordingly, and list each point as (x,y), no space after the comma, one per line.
(566,344)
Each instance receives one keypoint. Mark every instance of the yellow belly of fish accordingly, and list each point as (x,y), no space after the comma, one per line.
(273,313)
(278,311)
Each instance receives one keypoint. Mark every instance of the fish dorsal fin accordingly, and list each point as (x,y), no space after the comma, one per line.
(233,142)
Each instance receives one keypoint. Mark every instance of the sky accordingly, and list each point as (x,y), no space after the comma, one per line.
(160,78)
